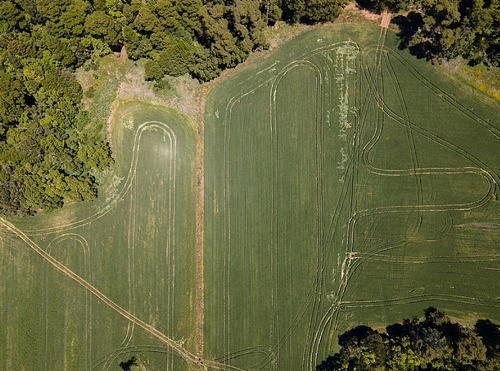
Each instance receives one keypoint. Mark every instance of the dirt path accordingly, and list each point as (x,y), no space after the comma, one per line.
(386,19)
(200,199)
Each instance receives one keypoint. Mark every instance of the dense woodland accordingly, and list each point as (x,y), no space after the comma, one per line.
(432,343)
(446,29)
(49,154)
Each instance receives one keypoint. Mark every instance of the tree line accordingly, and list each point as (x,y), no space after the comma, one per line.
(431,343)
(445,29)
(50,154)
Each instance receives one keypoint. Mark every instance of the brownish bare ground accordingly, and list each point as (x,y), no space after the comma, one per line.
(386,19)
(366,13)
(200,175)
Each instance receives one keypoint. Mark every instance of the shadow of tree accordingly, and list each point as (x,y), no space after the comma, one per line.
(127,365)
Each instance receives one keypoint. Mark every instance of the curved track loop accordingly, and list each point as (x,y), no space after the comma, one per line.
(320,322)
(305,60)
(120,194)
(276,334)
(172,138)
(87,335)
(324,235)
(353,258)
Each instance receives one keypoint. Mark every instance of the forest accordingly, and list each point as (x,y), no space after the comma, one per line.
(431,343)
(51,155)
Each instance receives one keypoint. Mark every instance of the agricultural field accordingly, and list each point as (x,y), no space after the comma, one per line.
(91,285)
(346,183)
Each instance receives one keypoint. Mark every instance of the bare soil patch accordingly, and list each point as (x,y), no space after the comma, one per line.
(365,13)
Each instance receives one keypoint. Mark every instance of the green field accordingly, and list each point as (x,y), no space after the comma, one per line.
(346,182)
(135,245)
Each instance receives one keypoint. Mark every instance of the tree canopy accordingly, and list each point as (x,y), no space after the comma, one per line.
(431,343)
(47,158)
(445,29)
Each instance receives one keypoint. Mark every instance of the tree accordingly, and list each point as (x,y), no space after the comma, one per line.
(152,70)
(50,9)
(101,25)
(431,343)
(167,14)
(132,40)
(129,364)
(318,11)
(378,6)
(41,43)
(216,35)
(189,10)
(96,155)
(445,29)
(9,14)
(247,24)
(146,21)
(203,65)
(174,59)
(271,11)
(80,188)
(12,98)
(73,19)
(313,11)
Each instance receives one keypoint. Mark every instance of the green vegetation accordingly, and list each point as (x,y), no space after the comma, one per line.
(51,153)
(446,29)
(433,343)
(48,154)
(135,244)
(395,6)
(50,150)
(347,182)
(310,11)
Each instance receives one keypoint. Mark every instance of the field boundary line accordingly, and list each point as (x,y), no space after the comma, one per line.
(200,221)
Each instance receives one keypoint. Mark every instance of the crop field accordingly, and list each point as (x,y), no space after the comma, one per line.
(92,285)
(346,182)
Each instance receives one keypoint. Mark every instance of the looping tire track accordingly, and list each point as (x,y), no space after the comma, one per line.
(304,59)
(174,345)
(118,197)
(330,318)
(88,303)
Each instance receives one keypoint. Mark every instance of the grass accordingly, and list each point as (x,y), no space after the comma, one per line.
(346,182)
(135,244)
(484,79)
(343,178)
